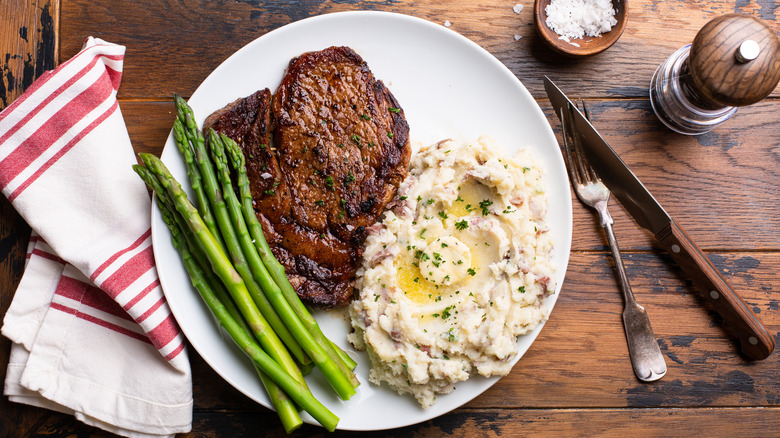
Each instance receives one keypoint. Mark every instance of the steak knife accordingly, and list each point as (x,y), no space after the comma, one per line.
(755,340)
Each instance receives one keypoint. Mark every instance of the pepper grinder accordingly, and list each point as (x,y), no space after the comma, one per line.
(734,61)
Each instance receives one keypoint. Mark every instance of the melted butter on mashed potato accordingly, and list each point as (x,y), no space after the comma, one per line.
(457,271)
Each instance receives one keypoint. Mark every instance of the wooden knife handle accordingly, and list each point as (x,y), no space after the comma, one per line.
(755,340)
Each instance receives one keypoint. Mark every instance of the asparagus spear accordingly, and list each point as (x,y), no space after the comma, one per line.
(270,372)
(215,195)
(195,180)
(317,351)
(214,295)
(223,268)
(275,268)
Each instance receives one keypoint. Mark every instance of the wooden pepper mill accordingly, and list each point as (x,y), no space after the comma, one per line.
(734,61)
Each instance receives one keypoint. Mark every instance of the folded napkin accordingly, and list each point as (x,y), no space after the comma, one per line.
(92,333)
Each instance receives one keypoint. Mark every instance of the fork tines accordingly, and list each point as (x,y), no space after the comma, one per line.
(575,156)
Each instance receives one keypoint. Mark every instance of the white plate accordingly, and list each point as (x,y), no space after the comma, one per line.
(448,86)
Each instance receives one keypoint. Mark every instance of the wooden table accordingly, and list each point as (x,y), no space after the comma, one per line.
(576,379)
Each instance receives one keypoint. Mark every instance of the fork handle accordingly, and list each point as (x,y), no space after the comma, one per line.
(755,340)
(646,356)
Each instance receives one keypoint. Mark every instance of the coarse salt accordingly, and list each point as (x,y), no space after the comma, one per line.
(447,23)
(577,18)
(517,8)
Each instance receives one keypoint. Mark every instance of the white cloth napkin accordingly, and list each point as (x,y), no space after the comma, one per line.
(92,333)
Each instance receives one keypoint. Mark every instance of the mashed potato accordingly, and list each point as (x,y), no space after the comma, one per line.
(457,270)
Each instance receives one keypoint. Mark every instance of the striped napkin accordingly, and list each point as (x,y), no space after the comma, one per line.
(92,333)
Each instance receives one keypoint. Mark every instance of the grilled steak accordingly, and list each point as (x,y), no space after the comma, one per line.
(340,148)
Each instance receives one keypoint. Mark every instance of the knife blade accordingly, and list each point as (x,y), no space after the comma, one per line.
(755,340)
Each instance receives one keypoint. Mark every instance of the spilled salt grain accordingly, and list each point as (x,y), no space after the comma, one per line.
(577,18)
(518,37)
(518,8)
(447,23)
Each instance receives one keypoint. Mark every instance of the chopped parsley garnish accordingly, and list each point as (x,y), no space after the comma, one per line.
(403,198)
(458,199)
(365,117)
(320,202)
(521,289)
(394,110)
(390,134)
(471,271)
(349,178)
(484,204)
(341,145)
(462,224)
(443,215)
(356,139)
(329,181)
(269,192)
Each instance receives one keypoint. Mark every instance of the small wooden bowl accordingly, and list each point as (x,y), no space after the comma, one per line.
(587,45)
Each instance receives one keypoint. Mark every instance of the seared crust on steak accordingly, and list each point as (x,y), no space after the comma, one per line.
(340,149)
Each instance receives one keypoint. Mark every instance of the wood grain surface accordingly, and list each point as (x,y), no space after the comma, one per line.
(576,380)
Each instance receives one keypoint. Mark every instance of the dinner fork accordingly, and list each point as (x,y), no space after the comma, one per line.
(646,357)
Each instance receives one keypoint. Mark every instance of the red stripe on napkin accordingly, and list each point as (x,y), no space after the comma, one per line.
(47,76)
(45,102)
(151,310)
(58,155)
(118,254)
(46,255)
(128,273)
(170,356)
(129,305)
(90,296)
(53,129)
(164,333)
(100,322)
